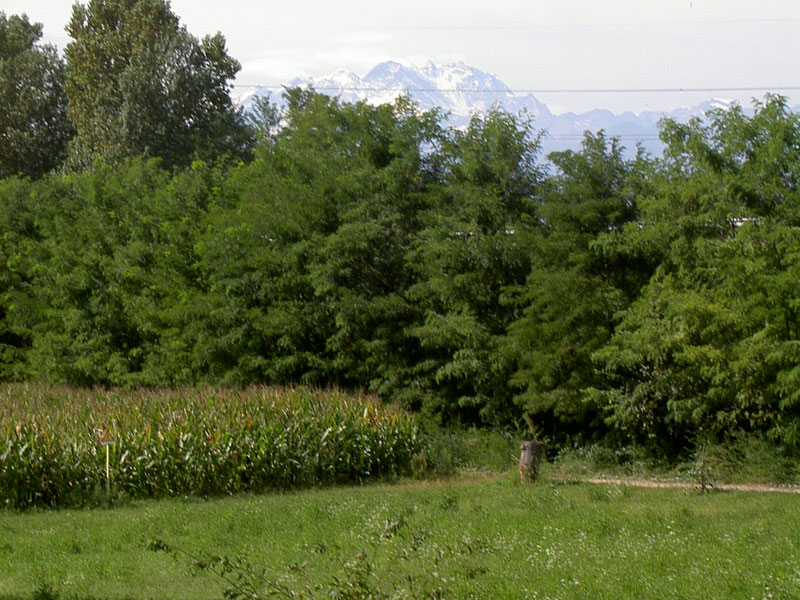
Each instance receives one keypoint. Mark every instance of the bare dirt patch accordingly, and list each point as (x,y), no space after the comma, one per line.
(648,483)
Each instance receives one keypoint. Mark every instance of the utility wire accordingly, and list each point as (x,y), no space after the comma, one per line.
(629,24)
(621,137)
(382,28)
(782,88)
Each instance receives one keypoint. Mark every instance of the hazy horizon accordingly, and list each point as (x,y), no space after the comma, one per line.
(545,45)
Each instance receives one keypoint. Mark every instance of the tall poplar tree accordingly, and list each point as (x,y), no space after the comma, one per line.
(34,130)
(140,84)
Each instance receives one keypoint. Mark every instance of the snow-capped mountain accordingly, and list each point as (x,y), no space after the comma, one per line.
(461,91)
(457,88)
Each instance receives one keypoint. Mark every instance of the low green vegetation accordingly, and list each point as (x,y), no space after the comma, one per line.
(483,537)
(746,459)
(192,442)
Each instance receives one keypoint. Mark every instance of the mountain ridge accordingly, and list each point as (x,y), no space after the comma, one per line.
(461,90)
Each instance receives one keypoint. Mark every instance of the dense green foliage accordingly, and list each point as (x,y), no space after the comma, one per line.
(595,296)
(645,300)
(472,539)
(198,442)
(711,342)
(34,130)
(139,84)
(573,293)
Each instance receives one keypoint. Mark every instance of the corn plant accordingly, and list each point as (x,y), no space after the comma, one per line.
(191,442)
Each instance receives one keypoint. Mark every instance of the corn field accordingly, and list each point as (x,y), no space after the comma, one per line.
(192,442)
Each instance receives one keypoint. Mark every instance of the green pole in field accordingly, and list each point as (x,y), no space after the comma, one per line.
(107,441)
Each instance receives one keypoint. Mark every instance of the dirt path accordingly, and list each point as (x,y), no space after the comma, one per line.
(467,479)
(647,483)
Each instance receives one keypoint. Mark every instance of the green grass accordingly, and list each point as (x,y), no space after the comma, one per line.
(486,537)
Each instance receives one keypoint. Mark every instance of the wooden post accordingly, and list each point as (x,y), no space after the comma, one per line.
(107,441)
(703,483)
(529,458)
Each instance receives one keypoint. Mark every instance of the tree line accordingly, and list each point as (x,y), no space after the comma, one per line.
(457,271)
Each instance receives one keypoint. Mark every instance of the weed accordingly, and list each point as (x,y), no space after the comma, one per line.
(366,576)
(445,452)
(45,592)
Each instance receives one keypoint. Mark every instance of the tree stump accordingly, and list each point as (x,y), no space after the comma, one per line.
(529,459)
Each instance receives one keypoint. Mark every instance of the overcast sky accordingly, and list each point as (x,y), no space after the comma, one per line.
(529,44)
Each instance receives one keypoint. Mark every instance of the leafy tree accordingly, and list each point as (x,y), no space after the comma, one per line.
(474,249)
(116,274)
(34,130)
(575,288)
(140,84)
(310,285)
(20,241)
(711,343)
(364,268)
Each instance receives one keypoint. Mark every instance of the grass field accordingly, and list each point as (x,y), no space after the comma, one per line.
(483,537)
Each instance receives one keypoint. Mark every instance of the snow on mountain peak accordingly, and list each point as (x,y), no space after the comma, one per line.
(430,69)
(722,103)
(461,91)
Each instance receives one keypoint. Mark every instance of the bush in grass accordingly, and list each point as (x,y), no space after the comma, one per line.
(748,459)
(198,442)
(447,451)
(600,460)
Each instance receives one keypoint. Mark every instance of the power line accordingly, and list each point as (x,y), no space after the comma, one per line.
(382,28)
(377,90)
(580,136)
(545,26)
